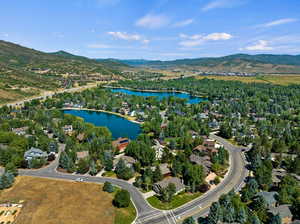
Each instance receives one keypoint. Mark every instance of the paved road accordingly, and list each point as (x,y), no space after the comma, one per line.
(148,215)
(45,95)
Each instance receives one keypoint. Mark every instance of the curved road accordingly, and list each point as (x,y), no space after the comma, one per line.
(234,179)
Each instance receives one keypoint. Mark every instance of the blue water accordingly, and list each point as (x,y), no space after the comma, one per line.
(118,126)
(160,95)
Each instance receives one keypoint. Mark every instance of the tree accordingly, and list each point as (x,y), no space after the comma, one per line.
(10,167)
(122,199)
(215,213)
(93,169)
(168,192)
(108,187)
(225,131)
(157,176)
(6,180)
(83,166)
(122,171)
(275,219)
(189,220)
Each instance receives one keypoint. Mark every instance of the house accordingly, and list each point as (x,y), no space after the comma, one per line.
(120,144)
(19,131)
(68,129)
(159,150)
(82,155)
(269,197)
(214,125)
(35,153)
(284,213)
(207,147)
(80,137)
(277,175)
(164,183)
(128,160)
(164,169)
(204,161)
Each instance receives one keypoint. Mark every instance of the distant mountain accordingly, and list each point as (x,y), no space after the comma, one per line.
(266,63)
(25,71)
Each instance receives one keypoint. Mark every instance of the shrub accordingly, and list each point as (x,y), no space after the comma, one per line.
(108,187)
(122,199)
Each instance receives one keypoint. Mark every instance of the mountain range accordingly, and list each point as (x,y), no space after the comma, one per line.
(260,63)
(25,72)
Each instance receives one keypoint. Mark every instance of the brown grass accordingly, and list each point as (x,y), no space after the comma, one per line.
(273,79)
(60,202)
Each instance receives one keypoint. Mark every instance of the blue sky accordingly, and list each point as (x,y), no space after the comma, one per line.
(153,29)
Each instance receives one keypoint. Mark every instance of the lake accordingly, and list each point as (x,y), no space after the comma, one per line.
(118,126)
(160,95)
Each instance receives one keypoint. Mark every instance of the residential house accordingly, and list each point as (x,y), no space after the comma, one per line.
(120,144)
(164,183)
(164,169)
(35,153)
(82,155)
(128,160)
(269,197)
(277,175)
(284,213)
(19,131)
(68,129)
(80,137)
(207,147)
(204,161)
(159,150)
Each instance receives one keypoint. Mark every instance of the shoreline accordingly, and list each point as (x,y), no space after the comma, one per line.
(155,91)
(129,118)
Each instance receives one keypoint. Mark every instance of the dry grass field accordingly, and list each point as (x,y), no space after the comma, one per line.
(273,79)
(63,202)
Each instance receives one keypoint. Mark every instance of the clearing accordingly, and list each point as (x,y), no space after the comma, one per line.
(50,201)
(272,79)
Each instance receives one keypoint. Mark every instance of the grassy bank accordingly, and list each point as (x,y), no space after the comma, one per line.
(176,202)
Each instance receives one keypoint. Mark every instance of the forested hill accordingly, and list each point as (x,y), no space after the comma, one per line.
(25,72)
(266,63)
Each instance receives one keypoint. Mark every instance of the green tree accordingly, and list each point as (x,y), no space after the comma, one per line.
(108,187)
(122,199)
(189,220)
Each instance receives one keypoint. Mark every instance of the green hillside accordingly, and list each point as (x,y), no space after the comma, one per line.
(264,63)
(25,72)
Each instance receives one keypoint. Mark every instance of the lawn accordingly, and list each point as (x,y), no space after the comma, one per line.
(64,202)
(176,202)
(272,79)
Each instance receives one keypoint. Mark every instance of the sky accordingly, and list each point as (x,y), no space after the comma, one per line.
(153,29)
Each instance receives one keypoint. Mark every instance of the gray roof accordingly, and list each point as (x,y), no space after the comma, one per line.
(175,180)
(283,211)
(164,169)
(269,197)
(35,152)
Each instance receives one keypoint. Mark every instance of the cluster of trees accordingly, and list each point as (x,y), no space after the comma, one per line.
(6,180)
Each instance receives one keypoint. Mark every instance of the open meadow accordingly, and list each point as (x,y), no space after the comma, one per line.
(64,202)
(272,79)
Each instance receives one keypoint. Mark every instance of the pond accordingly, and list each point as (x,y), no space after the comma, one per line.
(118,126)
(160,95)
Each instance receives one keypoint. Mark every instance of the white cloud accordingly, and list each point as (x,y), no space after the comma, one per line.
(183,23)
(153,21)
(261,45)
(278,22)
(198,39)
(222,4)
(129,37)
(218,36)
